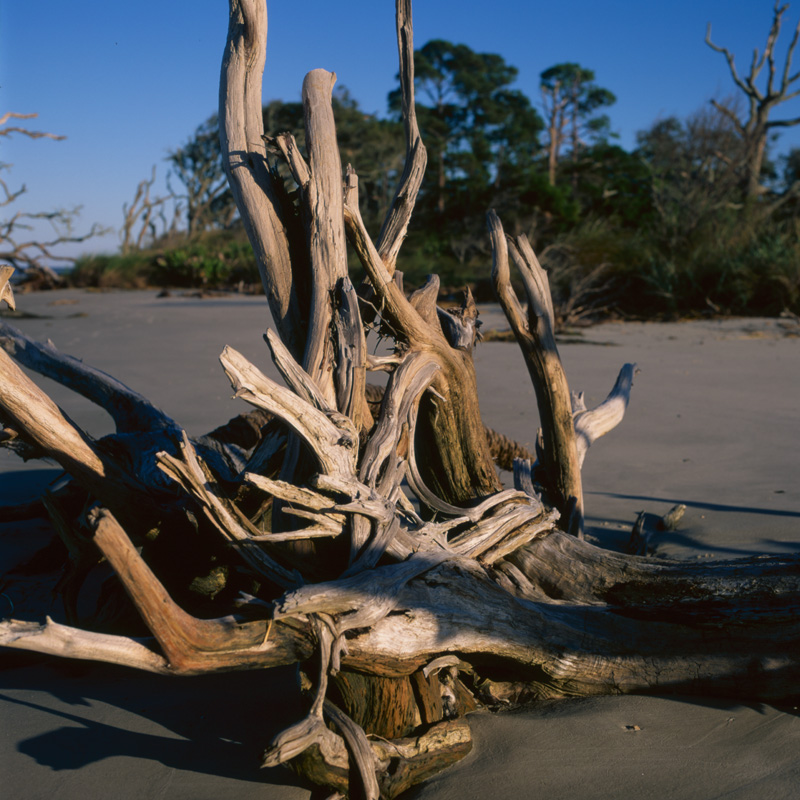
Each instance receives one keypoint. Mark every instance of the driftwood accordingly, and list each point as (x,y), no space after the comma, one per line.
(369,535)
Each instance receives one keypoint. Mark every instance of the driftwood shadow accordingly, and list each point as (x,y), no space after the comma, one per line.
(219,722)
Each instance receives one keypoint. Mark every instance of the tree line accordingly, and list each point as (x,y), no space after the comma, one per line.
(698,216)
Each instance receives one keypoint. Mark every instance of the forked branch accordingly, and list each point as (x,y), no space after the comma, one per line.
(536,338)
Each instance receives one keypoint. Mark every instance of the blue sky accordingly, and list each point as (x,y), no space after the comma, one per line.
(127,81)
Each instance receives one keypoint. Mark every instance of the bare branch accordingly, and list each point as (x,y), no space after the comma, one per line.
(52,638)
(326,237)
(34,253)
(141,210)
(190,645)
(402,313)
(24,131)
(335,444)
(731,115)
(189,472)
(755,129)
(350,373)
(287,145)
(769,51)
(784,123)
(786,79)
(10,195)
(395,225)
(745,87)
(591,425)
(28,409)
(241,129)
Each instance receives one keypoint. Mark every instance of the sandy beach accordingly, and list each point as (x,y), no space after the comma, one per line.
(713,424)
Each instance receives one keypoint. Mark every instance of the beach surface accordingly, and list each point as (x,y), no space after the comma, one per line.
(714,423)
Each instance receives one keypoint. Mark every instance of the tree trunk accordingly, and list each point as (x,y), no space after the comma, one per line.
(409,585)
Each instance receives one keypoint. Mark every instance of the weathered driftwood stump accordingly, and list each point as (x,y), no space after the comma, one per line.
(366,534)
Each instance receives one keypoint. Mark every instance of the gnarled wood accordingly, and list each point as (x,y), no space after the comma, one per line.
(332,437)
(51,638)
(322,197)
(456,460)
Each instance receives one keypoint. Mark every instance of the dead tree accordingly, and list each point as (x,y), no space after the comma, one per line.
(19,247)
(755,130)
(143,212)
(379,551)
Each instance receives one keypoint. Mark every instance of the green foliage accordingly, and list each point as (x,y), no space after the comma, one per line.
(666,229)
(733,271)
(204,264)
(212,260)
(570,98)
(575,85)
(477,129)
(197,166)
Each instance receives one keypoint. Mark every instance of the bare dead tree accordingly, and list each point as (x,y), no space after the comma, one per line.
(761,102)
(143,212)
(380,551)
(19,245)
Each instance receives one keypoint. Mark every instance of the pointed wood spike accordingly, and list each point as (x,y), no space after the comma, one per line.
(5,286)
(424,299)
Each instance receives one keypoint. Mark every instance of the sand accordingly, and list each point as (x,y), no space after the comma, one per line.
(713,424)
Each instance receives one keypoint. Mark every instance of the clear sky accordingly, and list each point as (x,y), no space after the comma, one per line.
(126,81)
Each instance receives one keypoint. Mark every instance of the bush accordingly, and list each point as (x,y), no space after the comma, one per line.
(212,260)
